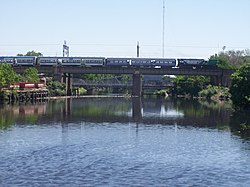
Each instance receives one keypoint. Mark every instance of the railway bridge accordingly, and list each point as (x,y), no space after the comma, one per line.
(65,73)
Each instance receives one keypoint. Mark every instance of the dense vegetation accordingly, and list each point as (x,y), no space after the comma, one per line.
(31,75)
(201,86)
(215,93)
(31,53)
(240,88)
(232,59)
(55,88)
(8,75)
(190,85)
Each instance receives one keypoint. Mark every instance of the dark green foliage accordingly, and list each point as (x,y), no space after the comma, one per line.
(2,96)
(103,77)
(190,85)
(240,123)
(55,88)
(8,75)
(240,88)
(97,77)
(231,59)
(31,75)
(31,53)
(215,92)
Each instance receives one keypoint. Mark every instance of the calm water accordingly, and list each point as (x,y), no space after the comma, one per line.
(123,142)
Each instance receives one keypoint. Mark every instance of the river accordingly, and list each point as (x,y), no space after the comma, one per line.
(123,142)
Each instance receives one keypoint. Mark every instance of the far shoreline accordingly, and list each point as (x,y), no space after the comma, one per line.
(89,96)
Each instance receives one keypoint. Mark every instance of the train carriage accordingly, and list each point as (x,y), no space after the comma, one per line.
(141,62)
(71,61)
(47,61)
(124,62)
(211,64)
(191,63)
(25,60)
(163,62)
(7,60)
(93,61)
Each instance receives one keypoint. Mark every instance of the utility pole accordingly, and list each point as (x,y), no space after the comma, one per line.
(138,49)
(65,49)
(163,27)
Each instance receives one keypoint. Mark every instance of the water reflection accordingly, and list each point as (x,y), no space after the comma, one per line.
(237,119)
(122,110)
(122,142)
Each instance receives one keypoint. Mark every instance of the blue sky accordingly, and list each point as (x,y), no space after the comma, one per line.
(111,28)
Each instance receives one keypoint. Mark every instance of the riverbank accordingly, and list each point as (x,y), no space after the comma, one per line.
(90,96)
(23,95)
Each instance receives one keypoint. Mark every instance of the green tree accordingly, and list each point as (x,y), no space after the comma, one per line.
(31,53)
(2,79)
(96,77)
(215,92)
(31,75)
(56,88)
(190,85)
(240,88)
(231,59)
(8,75)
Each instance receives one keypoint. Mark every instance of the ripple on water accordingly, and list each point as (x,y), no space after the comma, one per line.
(122,155)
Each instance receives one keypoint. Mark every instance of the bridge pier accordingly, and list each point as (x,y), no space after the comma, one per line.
(222,80)
(137,85)
(137,109)
(67,79)
(76,92)
(226,81)
(67,109)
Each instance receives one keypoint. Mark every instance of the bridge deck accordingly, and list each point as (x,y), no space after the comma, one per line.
(128,70)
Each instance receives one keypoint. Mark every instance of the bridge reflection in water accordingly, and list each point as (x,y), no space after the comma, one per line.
(118,110)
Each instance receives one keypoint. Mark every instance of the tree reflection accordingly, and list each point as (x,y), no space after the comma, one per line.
(6,122)
(204,113)
(238,119)
(168,111)
(25,114)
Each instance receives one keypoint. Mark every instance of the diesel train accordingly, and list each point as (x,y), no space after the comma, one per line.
(102,61)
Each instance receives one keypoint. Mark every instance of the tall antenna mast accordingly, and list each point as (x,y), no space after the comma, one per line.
(65,49)
(163,27)
(138,50)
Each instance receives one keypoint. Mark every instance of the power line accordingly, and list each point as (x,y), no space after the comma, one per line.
(123,45)
(27,45)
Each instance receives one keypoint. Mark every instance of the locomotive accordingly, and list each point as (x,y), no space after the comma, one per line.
(197,63)
(102,61)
